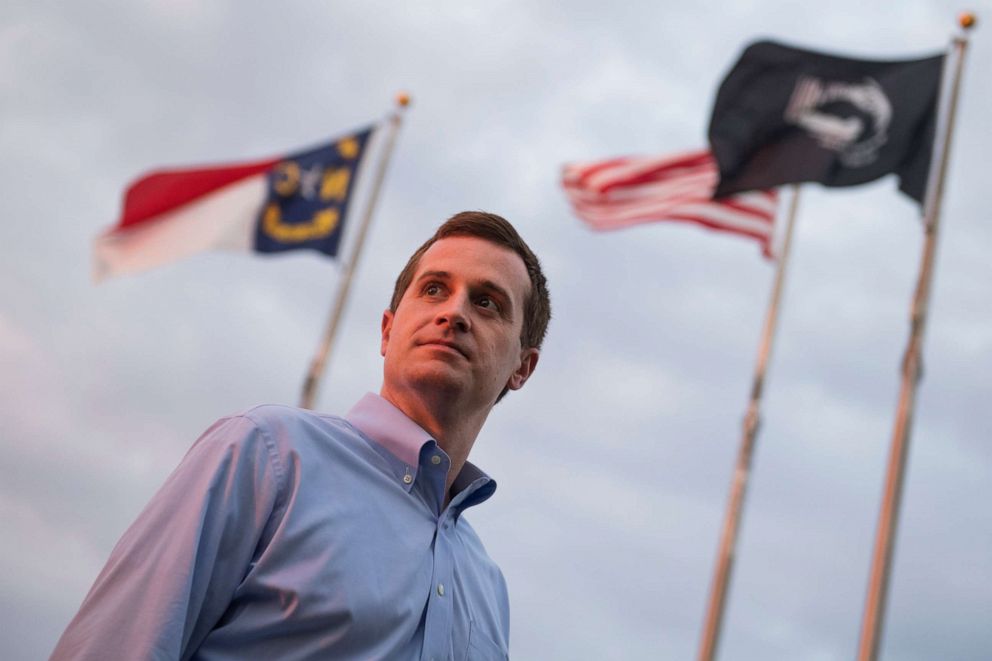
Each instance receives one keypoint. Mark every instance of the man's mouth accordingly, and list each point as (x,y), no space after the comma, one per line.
(447,344)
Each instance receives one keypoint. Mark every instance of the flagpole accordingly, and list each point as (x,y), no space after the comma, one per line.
(319,361)
(738,485)
(881,564)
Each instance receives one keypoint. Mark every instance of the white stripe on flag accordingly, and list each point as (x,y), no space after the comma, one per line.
(224,219)
(626,191)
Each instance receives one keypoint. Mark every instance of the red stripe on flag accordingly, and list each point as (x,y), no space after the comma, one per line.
(626,191)
(667,170)
(163,191)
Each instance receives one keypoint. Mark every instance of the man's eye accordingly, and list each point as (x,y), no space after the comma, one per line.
(487,302)
(432,289)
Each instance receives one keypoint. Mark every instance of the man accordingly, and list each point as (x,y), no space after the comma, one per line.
(286,534)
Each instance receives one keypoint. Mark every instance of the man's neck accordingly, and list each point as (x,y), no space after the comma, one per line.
(454,428)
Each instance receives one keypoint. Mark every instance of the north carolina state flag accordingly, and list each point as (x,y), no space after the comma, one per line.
(299,201)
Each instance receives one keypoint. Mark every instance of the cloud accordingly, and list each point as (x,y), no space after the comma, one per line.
(614,461)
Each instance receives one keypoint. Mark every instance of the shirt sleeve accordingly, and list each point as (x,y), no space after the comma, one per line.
(172,575)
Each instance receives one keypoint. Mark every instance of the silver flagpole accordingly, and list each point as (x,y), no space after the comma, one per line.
(319,361)
(881,563)
(738,484)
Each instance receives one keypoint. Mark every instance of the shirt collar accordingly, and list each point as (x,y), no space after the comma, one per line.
(389,427)
(404,440)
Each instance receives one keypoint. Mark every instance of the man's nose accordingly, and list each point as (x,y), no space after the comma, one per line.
(455,313)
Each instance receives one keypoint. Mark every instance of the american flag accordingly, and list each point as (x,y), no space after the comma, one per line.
(630,190)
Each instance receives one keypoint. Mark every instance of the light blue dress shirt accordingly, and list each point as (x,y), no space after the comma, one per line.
(289,535)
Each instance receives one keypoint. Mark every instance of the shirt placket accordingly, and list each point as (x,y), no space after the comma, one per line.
(440,611)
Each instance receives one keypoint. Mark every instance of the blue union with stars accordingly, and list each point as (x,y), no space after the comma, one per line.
(307,199)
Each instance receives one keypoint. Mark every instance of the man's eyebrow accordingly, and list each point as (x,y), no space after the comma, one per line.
(444,275)
(499,289)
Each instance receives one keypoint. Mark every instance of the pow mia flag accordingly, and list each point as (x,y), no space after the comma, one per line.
(784,115)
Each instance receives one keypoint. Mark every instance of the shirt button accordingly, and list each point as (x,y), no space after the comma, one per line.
(407,479)
(440,589)
(436,459)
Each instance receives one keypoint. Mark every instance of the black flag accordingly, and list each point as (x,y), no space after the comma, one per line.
(785,115)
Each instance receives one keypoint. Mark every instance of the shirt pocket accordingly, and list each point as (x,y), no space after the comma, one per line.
(482,648)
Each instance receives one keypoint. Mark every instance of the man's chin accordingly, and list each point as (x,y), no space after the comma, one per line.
(438,378)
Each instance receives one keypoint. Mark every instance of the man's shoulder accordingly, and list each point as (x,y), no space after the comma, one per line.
(287,427)
(280,414)
(287,438)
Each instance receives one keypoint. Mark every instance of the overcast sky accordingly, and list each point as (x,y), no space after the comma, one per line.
(614,461)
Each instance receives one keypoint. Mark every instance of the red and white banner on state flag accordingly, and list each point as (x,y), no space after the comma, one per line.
(299,201)
(626,191)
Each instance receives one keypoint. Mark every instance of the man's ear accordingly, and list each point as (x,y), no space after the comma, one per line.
(528,361)
(387,325)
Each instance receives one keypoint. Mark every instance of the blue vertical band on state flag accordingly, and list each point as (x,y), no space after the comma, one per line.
(307,198)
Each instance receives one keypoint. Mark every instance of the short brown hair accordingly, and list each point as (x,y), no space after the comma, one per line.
(498,230)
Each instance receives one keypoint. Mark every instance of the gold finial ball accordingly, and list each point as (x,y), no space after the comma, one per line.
(967,20)
(403,99)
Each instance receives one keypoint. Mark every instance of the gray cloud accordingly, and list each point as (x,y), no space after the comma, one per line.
(614,461)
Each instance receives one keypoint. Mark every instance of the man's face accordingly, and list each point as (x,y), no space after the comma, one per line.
(456,331)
